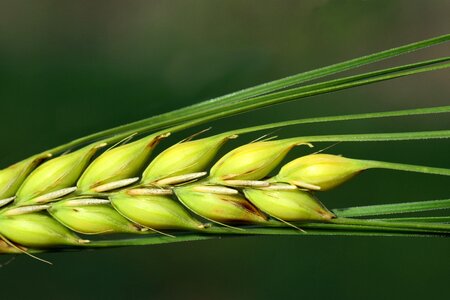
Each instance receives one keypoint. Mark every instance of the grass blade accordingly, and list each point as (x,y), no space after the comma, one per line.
(408,168)
(278,232)
(434,227)
(445,219)
(286,82)
(386,209)
(363,116)
(215,105)
(378,137)
(294,94)
(333,69)
(313,89)
(258,102)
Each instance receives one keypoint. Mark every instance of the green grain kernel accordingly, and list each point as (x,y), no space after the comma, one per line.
(54,175)
(37,230)
(251,162)
(12,177)
(88,217)
(294,205)
(154,211)
(320,171)
(117,164)
(184,158)
(219,207)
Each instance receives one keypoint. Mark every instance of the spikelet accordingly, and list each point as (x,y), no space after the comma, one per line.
(320,171)
(217,205)
(56,177)
(250,162)
(183,158)
(37,230)
(91,216)
(289,205)
(154,211)
(116,167)
(12,177)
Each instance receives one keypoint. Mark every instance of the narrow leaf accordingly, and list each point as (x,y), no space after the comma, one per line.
(364,116)
(445,219)
(385,209)
(378,137)
(216,105)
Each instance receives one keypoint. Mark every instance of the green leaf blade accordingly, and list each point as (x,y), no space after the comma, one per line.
(386,209)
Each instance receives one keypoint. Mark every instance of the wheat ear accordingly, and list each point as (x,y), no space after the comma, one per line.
(113,185)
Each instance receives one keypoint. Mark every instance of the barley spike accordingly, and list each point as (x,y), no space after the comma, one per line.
(50,202)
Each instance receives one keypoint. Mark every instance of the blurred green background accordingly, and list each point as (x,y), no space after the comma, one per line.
(70,68)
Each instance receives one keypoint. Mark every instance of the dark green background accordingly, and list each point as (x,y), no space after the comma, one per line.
(70,68)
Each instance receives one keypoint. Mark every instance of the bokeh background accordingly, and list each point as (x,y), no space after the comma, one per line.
(70,68)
